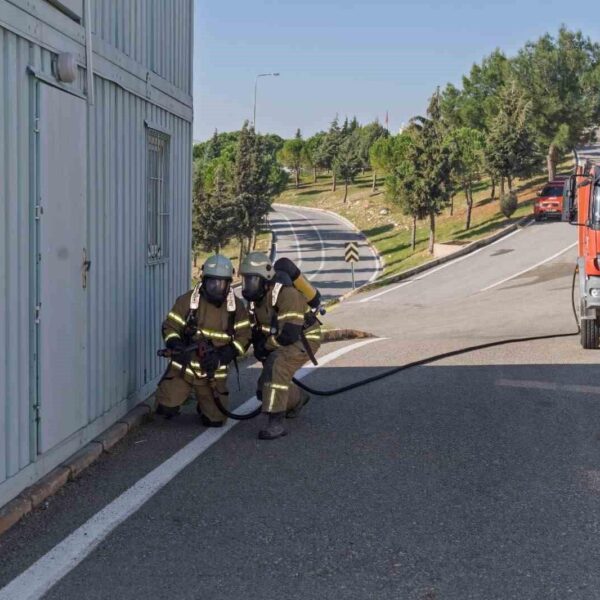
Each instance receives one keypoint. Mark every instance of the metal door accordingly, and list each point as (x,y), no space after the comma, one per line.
(61,268)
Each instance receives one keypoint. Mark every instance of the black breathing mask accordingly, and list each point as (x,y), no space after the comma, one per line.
(215,290)
(254,287)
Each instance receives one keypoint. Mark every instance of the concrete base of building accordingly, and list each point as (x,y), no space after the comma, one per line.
(36,494)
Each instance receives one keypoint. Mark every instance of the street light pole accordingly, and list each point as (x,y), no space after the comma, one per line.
(255,90)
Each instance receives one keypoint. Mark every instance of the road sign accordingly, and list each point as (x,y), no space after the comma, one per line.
(351,252)
(351,256)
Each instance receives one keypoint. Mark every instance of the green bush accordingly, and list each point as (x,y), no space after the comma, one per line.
(508,204)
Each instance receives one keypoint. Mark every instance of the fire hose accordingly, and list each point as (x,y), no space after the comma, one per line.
(411,365)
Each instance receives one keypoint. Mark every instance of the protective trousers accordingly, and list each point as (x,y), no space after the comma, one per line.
(175,390)
(275,386)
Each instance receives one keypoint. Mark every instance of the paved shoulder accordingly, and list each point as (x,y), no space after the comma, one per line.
(315,240)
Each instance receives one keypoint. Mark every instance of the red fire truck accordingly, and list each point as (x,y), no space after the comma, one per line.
(581,207)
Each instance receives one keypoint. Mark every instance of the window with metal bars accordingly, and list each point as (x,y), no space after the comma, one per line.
(157,195)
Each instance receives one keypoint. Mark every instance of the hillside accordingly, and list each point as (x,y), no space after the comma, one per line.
(385,226)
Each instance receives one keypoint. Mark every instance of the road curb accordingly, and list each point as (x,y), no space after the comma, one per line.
(36,494)
(468,249)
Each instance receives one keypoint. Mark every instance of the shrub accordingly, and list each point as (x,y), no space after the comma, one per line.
(508,204)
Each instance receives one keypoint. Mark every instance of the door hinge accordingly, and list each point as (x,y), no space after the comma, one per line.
(38,309)
(85,267)
(39,211)
(36,125)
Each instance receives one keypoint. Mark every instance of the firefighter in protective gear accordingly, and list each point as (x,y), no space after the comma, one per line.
(285,334)
(212,315)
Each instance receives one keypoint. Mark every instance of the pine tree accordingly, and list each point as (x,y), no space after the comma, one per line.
(214,215)
(466,155)
(331,147)
(401,157)
(213,148)
(347,162)
(314,153)
(368,135)
(254,185)
(510,149)
(432,161)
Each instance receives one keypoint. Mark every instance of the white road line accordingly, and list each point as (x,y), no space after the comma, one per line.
(374,255)
(298,248)
(322,245)
(542,262)
(531,384)
(432,271)
(37,580)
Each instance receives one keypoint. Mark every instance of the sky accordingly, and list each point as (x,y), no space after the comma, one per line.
(351,58)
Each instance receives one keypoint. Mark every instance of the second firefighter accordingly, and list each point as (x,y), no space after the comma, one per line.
(286,334)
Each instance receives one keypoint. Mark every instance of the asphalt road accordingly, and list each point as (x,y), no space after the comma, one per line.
(591,151)
(477,477)
(315,241)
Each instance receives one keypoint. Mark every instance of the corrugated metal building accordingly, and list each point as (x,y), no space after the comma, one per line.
(95,186)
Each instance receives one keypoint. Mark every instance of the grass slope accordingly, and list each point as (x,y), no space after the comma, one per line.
(385,226)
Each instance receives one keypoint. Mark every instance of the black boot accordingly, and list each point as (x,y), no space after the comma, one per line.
(274,428)
(294,412)
(168,412)
(208,423)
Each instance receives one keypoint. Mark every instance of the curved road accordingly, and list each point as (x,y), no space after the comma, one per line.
(315,241)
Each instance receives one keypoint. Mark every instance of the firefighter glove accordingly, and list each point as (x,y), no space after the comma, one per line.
(176,345)
(260,352)
(226,354)
(210,362)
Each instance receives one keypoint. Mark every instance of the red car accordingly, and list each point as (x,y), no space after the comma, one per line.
(549,202)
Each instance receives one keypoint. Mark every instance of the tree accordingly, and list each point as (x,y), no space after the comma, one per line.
(330,148)
(510,148)
(213,148)
(314,152)
(347,161)
(476,104)
(398,155)
(560,78)
(465,146)
(432,164)
(214,214)
(254,184)
(236,176)
(293,155)
(368,136)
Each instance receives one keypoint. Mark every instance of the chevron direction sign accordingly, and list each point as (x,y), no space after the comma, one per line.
(351,252)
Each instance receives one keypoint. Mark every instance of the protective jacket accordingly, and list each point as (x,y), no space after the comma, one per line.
(284,317)
(193,318)
(291,335)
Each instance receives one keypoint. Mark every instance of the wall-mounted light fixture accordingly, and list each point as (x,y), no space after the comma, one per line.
(66,67)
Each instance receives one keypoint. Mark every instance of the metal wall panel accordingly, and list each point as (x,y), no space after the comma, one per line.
(129,297)
(15,128)
(126,298)
(154,33)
